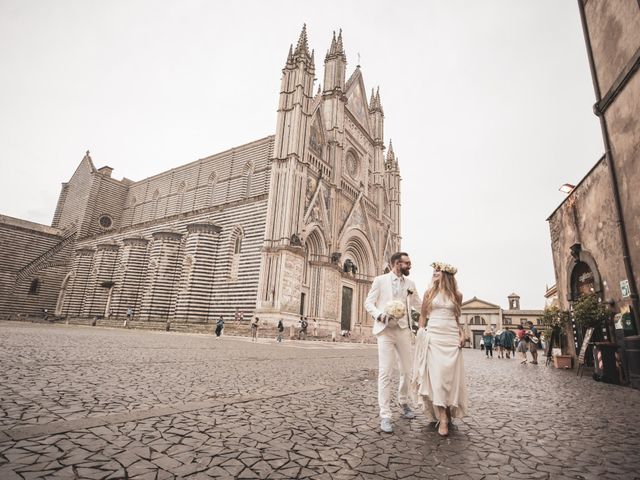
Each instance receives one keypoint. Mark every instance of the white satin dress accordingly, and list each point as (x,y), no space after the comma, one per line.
(438,366)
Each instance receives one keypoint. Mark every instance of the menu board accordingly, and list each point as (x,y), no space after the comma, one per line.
(585,344)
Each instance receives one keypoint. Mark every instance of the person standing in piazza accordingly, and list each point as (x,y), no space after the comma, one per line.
(219,326)
(254,329)
(390,298)
(487,338)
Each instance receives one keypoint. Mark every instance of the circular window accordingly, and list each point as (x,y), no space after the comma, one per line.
(105,221)
(352,164)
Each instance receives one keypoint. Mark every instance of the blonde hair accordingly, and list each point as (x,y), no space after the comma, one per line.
(449,287)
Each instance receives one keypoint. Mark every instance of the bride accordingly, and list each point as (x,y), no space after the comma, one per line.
(438,373)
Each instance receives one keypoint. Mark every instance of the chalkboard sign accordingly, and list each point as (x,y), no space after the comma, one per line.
(585,344)
(583,349)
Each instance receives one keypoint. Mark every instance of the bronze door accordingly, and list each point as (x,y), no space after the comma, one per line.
(347,298)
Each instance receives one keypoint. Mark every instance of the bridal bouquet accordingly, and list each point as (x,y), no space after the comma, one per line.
(395,309)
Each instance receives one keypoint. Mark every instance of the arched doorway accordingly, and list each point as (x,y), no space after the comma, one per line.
(62,294)
(315,252)
(358,271)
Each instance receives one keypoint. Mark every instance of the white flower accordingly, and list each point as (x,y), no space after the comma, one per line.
(444,267)
(395,309)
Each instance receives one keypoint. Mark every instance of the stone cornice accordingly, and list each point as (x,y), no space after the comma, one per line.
(167,235)
(204,228)
(107,246)
(135,241)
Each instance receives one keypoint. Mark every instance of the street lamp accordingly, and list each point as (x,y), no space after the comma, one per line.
(567,188)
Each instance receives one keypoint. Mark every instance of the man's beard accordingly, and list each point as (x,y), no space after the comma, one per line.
(405,271)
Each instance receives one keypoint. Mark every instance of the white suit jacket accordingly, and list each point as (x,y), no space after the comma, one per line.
(381,293)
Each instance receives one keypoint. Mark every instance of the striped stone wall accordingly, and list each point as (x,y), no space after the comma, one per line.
(107,197)
(227,177)
(176,268)
(34,259)
(74,196)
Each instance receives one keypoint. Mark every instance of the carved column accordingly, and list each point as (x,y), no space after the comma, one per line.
(162,275)
(195,295)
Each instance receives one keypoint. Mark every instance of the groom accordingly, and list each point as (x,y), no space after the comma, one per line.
(394,340)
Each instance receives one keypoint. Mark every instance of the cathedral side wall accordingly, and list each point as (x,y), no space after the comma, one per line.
(217,180)
(217,291)
(74,197)
(107,197)
(19,247)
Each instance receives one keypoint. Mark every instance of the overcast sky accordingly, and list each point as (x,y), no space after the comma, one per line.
(488,103)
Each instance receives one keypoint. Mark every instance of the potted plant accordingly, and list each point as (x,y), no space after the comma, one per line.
(588,312)
(554,323)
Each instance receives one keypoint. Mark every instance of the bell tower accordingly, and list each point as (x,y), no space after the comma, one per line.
(279,292)
(514,301)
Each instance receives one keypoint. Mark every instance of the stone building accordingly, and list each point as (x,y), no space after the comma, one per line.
(595,233)
(478,315)
(297,223)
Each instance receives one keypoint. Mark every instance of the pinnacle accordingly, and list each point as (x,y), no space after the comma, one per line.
(378,102)
(302,48)
(290,56)
(372,102)
(390,154)
(336,50)
(339,47)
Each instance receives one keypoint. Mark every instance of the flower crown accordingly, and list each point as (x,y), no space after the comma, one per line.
(444,267)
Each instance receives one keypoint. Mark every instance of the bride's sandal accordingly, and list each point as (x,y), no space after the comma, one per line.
(442,432)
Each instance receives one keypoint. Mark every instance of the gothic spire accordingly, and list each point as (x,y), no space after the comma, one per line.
(290,56)
(302,48)
(339,47)
(390,154)
(378,102)
(336,50)
(374,103)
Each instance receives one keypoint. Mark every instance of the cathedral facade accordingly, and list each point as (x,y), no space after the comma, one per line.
(293,224)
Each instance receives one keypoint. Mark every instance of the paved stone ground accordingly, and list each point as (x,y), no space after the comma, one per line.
(82,402)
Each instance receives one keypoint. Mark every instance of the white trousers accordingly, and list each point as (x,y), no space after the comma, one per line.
(394,348)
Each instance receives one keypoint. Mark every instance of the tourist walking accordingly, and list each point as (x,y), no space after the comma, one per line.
(534,340)
(507,339)
(438,368)
(387,303)
(280,329)
(522,348)
(254,329)
(497,345)
(302,333)
(219,326)
(487,338)
(315,327)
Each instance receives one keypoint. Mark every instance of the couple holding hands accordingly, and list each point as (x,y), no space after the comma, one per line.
(433,375)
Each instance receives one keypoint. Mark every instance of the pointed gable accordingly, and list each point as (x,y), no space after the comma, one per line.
(476,303)
(357,99)
(317,212)
(357,219)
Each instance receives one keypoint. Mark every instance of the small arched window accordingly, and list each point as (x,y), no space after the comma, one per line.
(248,172)
(34,288)
(236,249)
(154,203)
(180,200)
(213,179)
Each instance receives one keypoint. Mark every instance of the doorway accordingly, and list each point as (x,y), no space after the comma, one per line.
(347,299)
